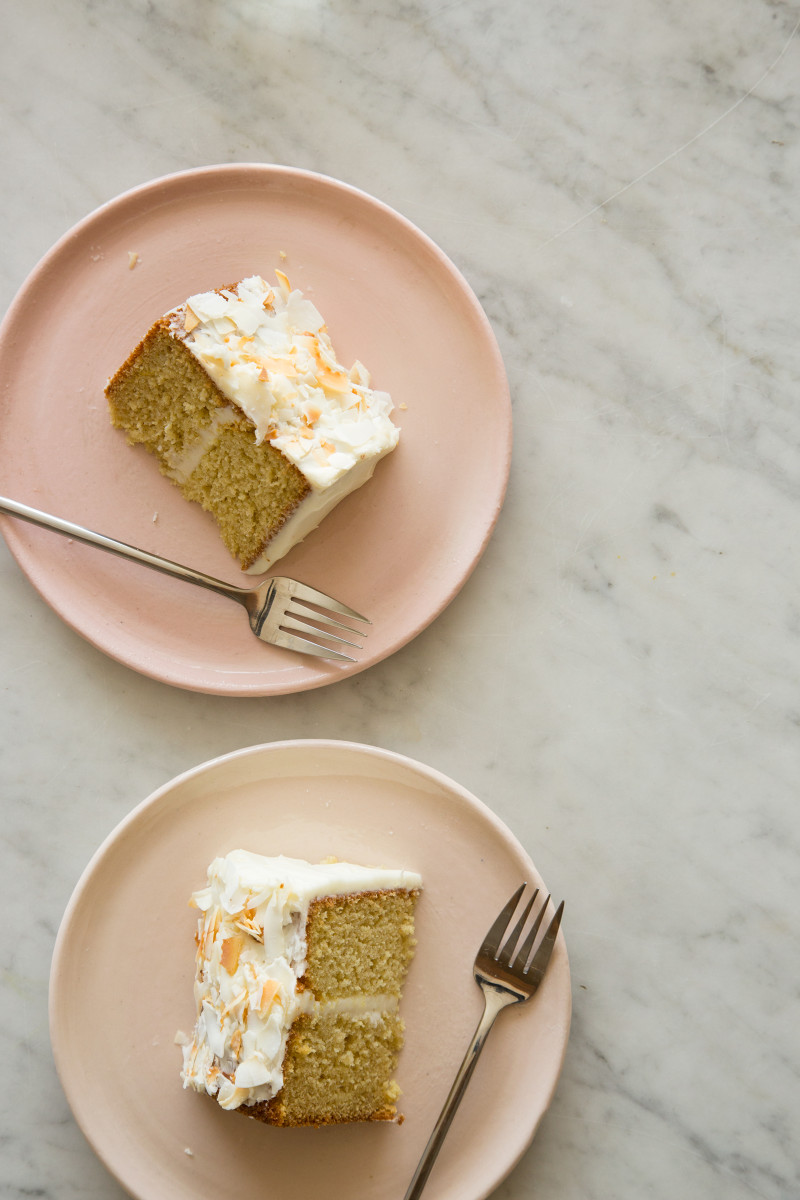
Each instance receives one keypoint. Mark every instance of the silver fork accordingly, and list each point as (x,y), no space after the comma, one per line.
(281,610)
(505,977)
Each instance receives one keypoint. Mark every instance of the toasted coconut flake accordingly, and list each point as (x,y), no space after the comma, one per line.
(231,949)
(191,321)
(334,381)
(283,279)
(133,259)
(268,994)
(249,926)
(282,366)
(233,1004)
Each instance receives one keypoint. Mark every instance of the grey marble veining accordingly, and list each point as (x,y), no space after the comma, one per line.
(619,678)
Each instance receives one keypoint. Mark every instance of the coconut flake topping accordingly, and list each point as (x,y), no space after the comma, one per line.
(269,352)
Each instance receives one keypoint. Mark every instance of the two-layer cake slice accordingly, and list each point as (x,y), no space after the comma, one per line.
(300,967)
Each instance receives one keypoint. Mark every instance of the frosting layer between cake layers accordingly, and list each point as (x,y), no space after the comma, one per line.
(252,951)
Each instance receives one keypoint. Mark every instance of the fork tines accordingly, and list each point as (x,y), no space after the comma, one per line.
(309,613)
(309,622)
(506,951)
(309,595)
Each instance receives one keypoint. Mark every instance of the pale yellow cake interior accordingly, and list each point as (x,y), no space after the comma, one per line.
(163,400)
(340,1067)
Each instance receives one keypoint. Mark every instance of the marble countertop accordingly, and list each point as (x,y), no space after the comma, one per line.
(619,185)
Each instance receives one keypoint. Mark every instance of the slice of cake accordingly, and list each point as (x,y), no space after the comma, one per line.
(240,396)
(297,988)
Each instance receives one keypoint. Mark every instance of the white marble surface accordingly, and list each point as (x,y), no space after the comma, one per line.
(619,678)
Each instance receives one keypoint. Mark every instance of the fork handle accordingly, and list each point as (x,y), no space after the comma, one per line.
(494,1002)
(166,566)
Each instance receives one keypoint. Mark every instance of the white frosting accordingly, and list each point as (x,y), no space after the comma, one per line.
(270,353)
(251,953)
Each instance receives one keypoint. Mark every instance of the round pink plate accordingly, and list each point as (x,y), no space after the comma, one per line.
(123,969)
(397,550)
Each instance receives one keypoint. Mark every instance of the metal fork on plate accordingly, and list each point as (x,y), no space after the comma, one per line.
(281,610)
(506,975)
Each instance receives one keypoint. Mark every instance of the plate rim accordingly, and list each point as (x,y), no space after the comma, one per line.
(266,749)
(13,529)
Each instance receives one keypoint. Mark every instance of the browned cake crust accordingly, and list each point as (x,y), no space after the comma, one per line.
(271,1113)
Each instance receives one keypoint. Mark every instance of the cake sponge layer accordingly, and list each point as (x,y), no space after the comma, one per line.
(249,489)
(359,944)
(337,1069)
(160,398)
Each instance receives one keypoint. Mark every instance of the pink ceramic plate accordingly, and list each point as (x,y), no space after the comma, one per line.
(398,550)
(121,981)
